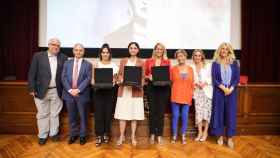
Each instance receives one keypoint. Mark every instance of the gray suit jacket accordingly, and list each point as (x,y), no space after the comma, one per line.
(39,74)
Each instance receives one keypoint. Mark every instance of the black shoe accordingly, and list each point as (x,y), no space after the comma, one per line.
(106,139)
(42,141)
(55,138)
(83,140)
(98,141)
(72,139)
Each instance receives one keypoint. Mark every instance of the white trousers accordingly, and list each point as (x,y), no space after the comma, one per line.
(48,110)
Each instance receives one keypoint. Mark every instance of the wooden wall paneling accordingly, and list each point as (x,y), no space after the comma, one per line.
(258,112)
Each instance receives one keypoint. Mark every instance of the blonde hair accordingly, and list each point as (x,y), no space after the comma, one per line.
(164,56)
(202,55)
(183,51)
(231,56)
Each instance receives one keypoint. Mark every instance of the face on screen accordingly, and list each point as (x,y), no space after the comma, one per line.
(181,58)
(78,51)
(139,7)
(133,50)
(54,47)
(105,54)
(159,50)
(144,21)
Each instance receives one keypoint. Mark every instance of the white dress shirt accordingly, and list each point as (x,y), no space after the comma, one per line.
(53,66)
(110,65)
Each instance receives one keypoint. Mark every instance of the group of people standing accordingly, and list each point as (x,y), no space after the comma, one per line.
(213,86)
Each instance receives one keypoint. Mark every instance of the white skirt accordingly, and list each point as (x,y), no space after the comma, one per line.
(128,107)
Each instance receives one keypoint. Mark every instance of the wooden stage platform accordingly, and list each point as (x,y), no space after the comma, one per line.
(26,146)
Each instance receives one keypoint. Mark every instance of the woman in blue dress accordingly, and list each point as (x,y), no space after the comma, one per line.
(225,77)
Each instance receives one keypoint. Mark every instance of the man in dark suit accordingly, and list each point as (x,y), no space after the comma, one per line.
(76,79)
(44,84)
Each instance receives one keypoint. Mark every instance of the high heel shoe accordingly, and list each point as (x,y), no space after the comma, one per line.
(98,141)
(159,140)
(120,141)
(230,143)
(133,141)
(106,139)
(198,138)
(152,139)
(203,138)
(184,140)
(173,139)
(220,141)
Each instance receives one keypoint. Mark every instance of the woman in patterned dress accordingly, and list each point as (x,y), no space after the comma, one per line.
(202,93)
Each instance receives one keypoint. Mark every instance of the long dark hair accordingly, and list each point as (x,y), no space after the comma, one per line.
(136,44)
(105,45)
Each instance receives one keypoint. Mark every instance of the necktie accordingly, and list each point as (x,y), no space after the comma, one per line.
(75,75)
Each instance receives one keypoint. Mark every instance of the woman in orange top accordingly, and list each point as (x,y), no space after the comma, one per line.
(181,93)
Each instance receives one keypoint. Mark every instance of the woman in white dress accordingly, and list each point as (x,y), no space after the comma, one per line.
(130,105)
(202,94)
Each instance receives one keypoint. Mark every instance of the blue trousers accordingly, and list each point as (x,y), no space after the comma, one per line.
(224,115)
(77,110)
(175,117)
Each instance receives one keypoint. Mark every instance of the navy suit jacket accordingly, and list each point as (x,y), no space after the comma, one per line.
(217,79)
(84,80)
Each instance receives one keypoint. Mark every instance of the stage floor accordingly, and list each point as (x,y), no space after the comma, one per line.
(26,146)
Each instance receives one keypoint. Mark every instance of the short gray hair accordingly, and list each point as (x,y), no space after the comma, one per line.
(54,40)
(79,44)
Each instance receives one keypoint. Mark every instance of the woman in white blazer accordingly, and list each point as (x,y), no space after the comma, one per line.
(202,93)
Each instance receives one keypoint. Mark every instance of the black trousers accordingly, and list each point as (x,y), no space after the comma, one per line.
(158,99)
(103,105)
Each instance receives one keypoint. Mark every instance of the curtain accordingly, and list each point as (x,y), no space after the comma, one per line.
(260,59)
(19,29)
